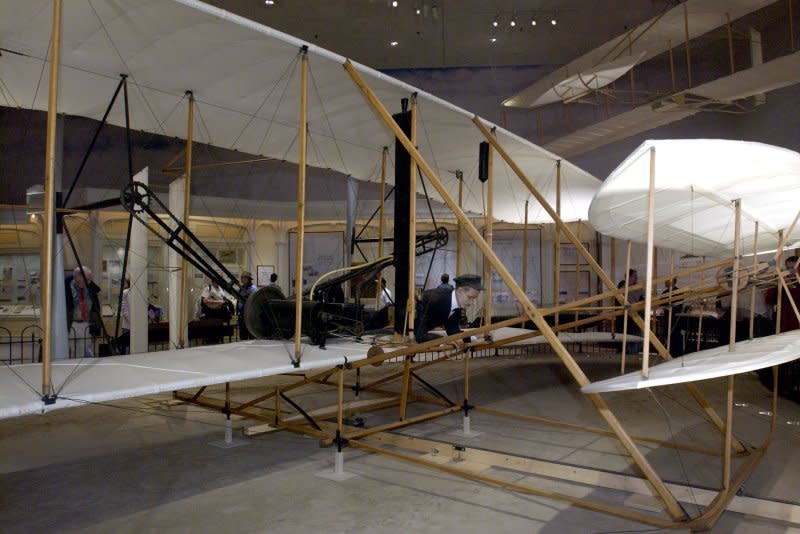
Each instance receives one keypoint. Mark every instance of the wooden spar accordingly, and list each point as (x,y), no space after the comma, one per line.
(379,292)
(487,268)
(688,49)
(48,217)
(779,298)
(710,412)
(187,198)
(753,286)
(730,42)
(460,179)
(648,287)
(530,309)
(301,208)
(737,207)
(613,254)
(412,224)
(625,312)
(405,387)
(578,227)
(633,85)
(557,243)
(672,66)
(525,251)
(216,165)
(669,297)
(726,452)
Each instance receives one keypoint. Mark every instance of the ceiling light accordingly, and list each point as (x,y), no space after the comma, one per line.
(393,43)
(553,22)
(533,22)
(512,23)
(492,39)
(495,23)
(269,2)
(394,3)
(418,11)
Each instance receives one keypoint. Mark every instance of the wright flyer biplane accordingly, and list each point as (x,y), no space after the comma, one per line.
(265,93)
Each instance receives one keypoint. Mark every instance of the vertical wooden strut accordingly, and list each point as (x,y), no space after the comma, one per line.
(557,244)
(460,178)
(753,286)
(577,292)
(412,223)
(524,251)
(730,43)
(688,49)
(726,453)
(48,217)
(648,286)
(487,268)
(301,208)
(625,313)
(379,292)
(530,309)
(187,199)
(737,206)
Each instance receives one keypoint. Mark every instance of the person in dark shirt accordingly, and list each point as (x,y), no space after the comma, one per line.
(443,307)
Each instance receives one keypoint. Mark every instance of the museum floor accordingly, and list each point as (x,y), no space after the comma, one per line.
(148,465)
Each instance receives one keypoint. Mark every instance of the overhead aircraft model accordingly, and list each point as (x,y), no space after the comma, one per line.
(235,72)
(673,28)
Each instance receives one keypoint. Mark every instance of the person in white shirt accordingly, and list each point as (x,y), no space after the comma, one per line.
(215,303)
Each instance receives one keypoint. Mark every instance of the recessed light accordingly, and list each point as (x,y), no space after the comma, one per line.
(512,23)
(393,43)
(269,2)
(394,3)
(492,39)
(533,22)
(553,22)
(418,11)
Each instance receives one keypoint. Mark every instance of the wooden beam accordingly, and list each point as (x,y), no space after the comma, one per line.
(48,217)
(648,291)
(187,199)
(301,208)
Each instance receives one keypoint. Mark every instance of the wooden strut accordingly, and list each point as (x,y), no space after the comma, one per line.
(379,282)
(301,208)
(187,199)
(48,218)
(626,307)
(487,268)
(530,309)
(648,291)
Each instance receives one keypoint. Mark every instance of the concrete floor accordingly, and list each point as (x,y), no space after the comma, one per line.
(145,466)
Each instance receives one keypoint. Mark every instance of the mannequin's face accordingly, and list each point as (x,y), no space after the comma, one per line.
(466,296)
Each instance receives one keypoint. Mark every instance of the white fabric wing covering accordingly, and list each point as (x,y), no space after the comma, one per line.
(245,79)
(591,79)
(85,381)
(696,182)
(749,355)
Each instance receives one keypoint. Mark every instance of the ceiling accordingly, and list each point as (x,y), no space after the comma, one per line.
(451,33)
